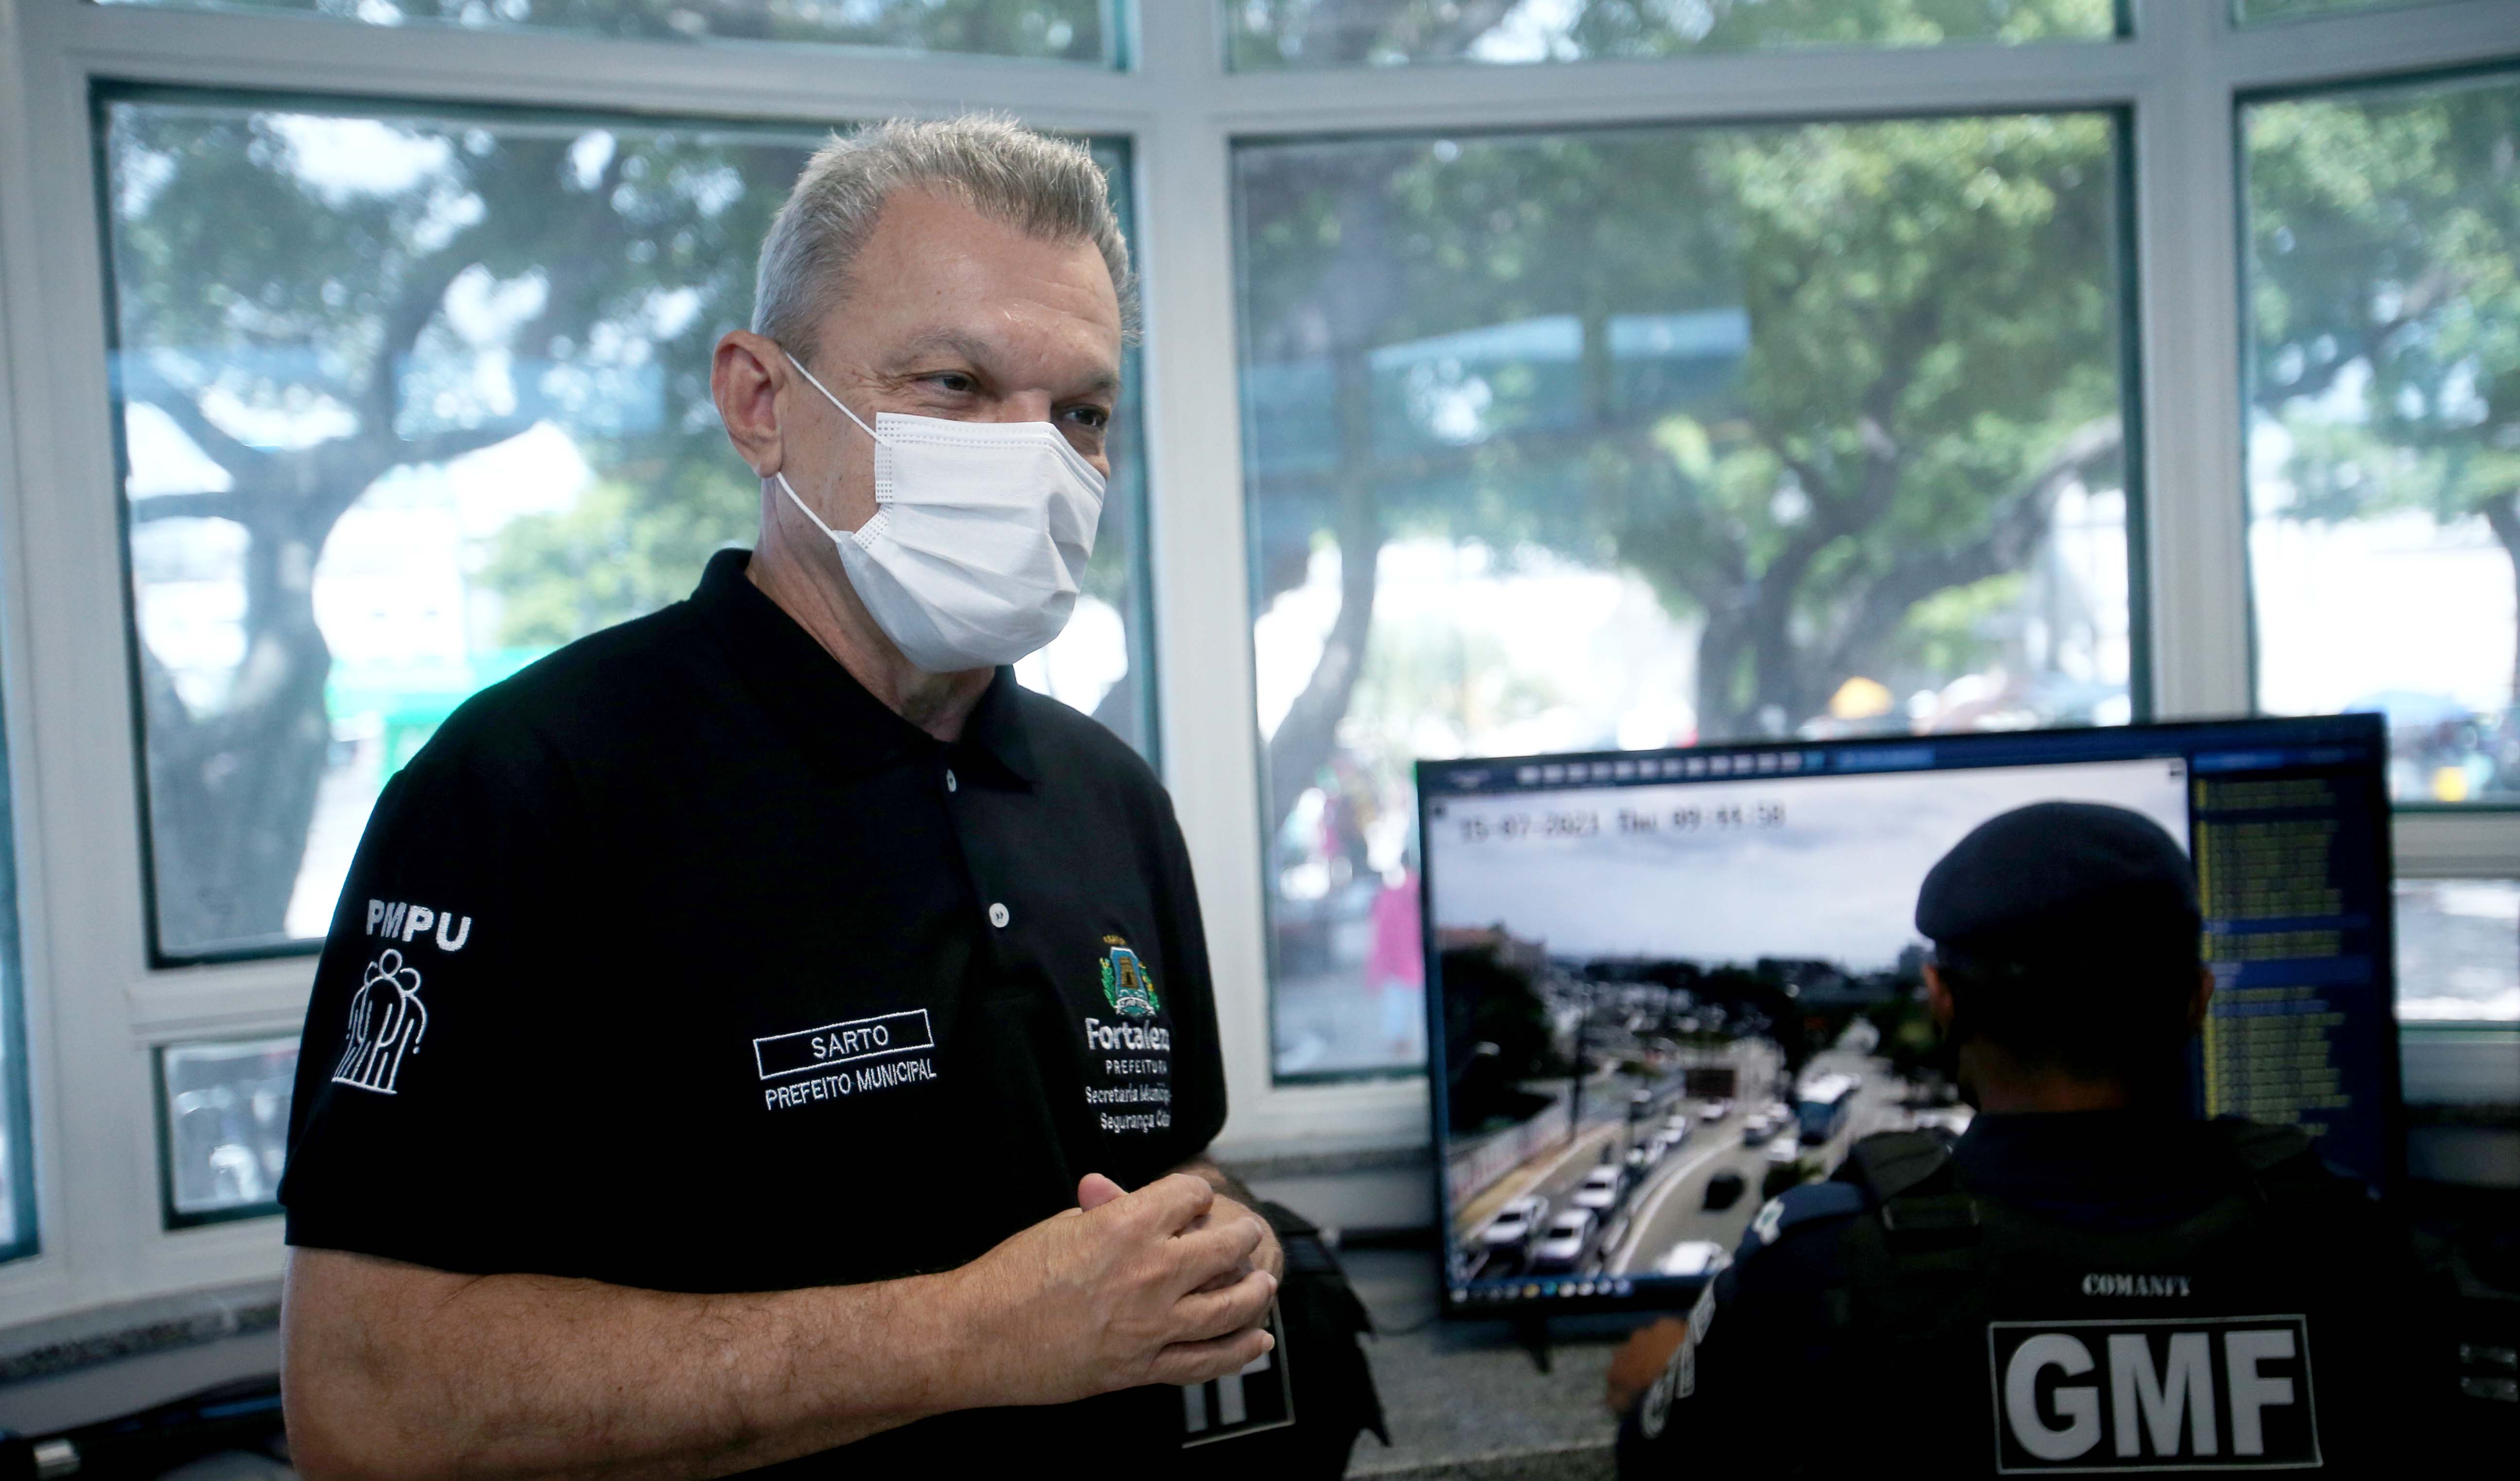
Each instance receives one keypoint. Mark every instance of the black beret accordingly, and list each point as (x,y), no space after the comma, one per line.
(2060,879)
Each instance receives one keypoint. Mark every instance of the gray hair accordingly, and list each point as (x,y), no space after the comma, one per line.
(1048,187)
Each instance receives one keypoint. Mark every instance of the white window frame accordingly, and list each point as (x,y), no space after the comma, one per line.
(95,1006)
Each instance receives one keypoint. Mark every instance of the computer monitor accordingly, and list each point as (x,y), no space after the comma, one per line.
(1662,984)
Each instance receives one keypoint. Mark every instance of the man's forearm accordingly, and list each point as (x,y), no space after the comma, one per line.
(557,1378)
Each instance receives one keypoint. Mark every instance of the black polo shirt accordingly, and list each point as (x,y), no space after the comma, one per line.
(679,960)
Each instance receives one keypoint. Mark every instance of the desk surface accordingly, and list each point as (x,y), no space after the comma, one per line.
(1464,1401)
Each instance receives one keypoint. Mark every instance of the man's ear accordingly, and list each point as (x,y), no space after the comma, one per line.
(2204,996)
(745,378)
(1938,998)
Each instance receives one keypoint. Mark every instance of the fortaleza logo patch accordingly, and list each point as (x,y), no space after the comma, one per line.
(1126,984)
(1137,1054)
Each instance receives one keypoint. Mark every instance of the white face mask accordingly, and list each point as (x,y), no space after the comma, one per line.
(980,535)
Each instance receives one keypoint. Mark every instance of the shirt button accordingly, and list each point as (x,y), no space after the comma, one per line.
(950,783)
(998,916)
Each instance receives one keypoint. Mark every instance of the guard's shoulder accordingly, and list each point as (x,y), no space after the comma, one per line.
(1809,1208)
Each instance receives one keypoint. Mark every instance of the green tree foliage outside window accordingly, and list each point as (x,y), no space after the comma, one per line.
(1066,30)
(1315,33)
(1821,388)
(2384,361)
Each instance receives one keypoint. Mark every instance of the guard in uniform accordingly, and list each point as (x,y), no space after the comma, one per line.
(2089,1279)
(683,965)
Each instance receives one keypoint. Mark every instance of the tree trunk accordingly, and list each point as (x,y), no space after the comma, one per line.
(1720,647)
(232,793)
(2502,516)
(1305,739)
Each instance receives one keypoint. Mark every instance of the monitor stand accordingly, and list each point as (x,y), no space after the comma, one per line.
(1531,1334)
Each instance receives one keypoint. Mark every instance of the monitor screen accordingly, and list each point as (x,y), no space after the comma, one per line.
(1665,984)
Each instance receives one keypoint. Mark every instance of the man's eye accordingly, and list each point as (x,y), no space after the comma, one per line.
(1092,416)
(953,380)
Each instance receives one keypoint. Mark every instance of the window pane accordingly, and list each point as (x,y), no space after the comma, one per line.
(410,401)
(2249,12)
(16,1139)
(2384,398)
(1651,436)
(223,1127)
(2459,950)
(1069,31)
(1316,33)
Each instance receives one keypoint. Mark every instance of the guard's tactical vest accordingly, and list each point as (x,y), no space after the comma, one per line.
(2270,1331)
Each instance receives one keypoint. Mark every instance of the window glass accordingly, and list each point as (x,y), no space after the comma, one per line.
(1069,31)
(2249,12)
(1316,33)
(223,1127)
(2384,405)
(2459,950)
(408,402)
(1640,437)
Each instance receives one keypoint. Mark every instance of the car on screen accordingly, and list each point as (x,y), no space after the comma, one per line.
(1716,1111)
(1562,1247)
(1784,1149)
(1511,1231)
(1599,1189)
(1723,1189)
(1675,1126)
(1693,1258)
(1757,1129)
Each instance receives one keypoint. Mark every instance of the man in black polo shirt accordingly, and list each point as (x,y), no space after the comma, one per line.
(762,1030)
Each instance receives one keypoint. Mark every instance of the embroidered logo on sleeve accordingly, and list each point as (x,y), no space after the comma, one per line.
(387,1023)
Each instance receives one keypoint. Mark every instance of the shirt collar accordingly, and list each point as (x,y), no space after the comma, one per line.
(2111,1146)
(824,707)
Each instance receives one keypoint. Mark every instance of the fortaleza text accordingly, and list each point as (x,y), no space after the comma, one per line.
(1141,1037)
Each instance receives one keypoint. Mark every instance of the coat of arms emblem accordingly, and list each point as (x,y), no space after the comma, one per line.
(1126,984)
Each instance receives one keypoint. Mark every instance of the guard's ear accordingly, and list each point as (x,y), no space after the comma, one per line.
(2204,997)
(1938,998)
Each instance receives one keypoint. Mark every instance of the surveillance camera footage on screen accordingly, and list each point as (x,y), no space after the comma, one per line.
(1668,985)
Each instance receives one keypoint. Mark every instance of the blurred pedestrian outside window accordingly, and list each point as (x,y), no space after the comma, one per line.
(1066,31)
(409,401)
(224,1127)
(1269,34)
(2384,405)
(1644,437)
